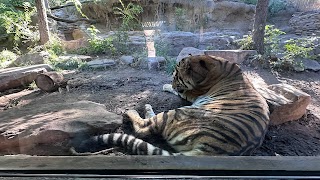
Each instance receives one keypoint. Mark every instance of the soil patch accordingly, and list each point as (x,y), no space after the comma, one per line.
(122,88)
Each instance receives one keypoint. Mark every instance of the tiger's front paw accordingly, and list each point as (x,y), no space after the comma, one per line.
(168,88)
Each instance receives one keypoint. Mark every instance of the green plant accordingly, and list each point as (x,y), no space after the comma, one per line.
(246,43)
(69,64)
(180,18)
(170,65)
(162,48)
(274,5)
(271,39)
(254,2)
(294,51)
(129,14)
(139,58)
(17,22)
(6,57)
(54,46)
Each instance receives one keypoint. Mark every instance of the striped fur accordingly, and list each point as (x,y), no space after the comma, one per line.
(227,117)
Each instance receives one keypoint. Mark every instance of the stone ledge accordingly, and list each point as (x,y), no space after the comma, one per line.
(237,56)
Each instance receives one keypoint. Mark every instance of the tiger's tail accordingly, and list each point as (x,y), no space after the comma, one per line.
(130,143)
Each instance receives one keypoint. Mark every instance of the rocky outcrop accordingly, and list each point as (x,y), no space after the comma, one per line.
(210,14)
(189,51)
(286,103)
(52,128)
(306,23)
(30,59)
(174,42)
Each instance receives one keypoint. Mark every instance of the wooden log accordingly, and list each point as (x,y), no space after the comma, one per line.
(50,81)
(16,77)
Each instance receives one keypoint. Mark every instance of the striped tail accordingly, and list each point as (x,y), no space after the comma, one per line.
(132,144)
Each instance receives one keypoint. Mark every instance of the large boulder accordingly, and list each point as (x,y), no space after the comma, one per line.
(215,41)
(286,103)
(52,128)
(231,15)
(187,51)
(236,56)
(306,23)
(30,59)
(174,42)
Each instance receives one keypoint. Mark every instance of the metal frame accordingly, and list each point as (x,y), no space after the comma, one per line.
(284,167)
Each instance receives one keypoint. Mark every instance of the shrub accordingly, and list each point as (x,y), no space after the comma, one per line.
(18,23)
(271,39)
(69,64)
(170,65)
(180,18)
(129,14)
(274,5)
(6,57)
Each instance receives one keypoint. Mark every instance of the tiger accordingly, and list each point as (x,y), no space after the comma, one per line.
(227,116)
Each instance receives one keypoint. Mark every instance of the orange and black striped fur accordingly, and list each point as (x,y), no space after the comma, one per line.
(227,117)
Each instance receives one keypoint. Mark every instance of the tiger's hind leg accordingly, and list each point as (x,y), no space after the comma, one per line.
(141,126)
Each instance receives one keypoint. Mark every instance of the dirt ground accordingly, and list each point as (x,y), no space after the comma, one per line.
(122,88)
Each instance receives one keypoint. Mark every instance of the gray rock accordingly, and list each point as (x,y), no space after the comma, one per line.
(306,23)
(306,64)
(237,56)
(311,64)
(48,128)
(127,59)
(30,59)
(174,42)
(286,103)
(75,56)
(98,63)
(211,40)
(185,52)
(155,63)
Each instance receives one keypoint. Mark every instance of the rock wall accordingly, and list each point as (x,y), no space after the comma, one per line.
(179,15)
(173,42)
(306,23)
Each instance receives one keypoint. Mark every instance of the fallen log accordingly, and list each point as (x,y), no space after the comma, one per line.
(20,77)
(50,81)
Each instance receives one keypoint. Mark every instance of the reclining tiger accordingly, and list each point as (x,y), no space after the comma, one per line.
(227,116)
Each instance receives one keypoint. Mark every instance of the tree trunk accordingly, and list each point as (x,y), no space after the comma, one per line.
(16,77)
(260,19)
(50,81)
(43,21)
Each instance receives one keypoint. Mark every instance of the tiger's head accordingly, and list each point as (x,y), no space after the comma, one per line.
(197,71)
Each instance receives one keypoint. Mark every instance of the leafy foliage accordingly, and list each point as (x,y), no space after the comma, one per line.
(6,57)
(274,5)
(271,39)
(70,64)
(180,18)
(17,22)
(170,65)
(129,14)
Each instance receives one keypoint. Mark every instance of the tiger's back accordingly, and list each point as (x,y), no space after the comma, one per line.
(228,118)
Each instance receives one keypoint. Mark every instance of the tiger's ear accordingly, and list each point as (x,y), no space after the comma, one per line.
(185,63)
